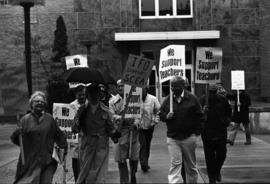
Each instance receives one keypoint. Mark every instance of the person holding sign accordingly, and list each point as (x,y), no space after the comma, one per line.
(39,132)
(217,111)
(183,127)
(76,104)
(150,107)
(241,116)
(122,149)
(94,120)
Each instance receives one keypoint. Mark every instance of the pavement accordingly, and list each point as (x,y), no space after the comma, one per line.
(244,163)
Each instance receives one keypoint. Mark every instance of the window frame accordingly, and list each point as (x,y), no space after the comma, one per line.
(4,2)
(157,16)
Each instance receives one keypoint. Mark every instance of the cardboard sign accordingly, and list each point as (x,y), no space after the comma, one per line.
(64,115)
(137,71)
(134,105)
(172,62)
(238,80)
(76,61)
(208,65)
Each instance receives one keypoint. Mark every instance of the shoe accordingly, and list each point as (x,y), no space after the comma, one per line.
(247,143)
(145,168)
(230,142)
(219,178)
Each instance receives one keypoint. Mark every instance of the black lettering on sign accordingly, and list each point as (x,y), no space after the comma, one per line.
(76,61)
(208,54)
(170,52)
(65,111)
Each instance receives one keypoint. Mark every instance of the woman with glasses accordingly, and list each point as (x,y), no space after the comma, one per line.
(38,132)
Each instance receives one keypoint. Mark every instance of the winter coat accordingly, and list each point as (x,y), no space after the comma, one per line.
(94,149)
(39,136)
(116,106)
(243,115)
(217,117)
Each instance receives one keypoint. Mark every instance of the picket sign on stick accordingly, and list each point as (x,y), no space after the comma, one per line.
(136,74)
(171,63)
(238,83)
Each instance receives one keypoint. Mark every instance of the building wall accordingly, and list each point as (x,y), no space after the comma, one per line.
(239,22)
(244,27)
(14,98)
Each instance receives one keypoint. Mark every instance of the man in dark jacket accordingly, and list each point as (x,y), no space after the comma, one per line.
(241,116)
(217,113)
(183,124)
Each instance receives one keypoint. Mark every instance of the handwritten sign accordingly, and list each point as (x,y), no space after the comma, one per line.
(134,105)
(238,80)
(208,65)
(172,62)
(137,71)
(76,61)
(64,115)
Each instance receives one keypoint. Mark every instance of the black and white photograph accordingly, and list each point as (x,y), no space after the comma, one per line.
(134,91)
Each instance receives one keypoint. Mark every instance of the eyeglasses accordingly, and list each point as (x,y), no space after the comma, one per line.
(38,101)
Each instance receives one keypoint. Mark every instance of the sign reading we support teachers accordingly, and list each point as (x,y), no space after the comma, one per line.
(208,65)
(172,62)
(134,105)
(64,115)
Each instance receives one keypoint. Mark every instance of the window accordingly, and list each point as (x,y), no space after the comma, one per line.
(150,9)
(3,2)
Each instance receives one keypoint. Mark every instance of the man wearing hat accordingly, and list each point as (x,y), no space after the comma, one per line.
(217,115)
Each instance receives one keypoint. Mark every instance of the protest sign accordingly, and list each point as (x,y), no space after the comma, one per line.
(172,62)
(208,65)
(64,115)
(76,61)
(134,105)
(137,71)
(238,80)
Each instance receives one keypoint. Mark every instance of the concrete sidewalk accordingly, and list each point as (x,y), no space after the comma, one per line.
(244,164)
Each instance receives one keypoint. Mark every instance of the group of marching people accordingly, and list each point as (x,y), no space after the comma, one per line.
(101,116)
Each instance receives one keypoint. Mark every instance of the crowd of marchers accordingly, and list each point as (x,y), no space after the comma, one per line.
(101,116)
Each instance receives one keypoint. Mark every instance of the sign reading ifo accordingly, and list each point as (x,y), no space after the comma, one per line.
(238,80)
(64,116)
(172,62)
(208,65)
(137,71)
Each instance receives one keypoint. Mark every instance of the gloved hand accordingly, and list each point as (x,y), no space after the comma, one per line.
(117,134)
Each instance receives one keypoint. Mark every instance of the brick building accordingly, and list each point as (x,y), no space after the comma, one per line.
(108,30)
